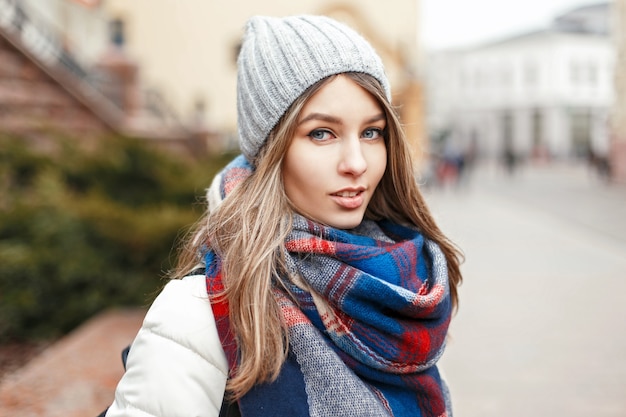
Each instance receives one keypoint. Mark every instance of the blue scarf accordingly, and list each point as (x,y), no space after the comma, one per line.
(367,322)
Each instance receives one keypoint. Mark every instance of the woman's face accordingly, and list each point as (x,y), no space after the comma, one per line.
(337,155)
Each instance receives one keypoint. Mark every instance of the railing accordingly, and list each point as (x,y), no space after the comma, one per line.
(46,44)
(40,39)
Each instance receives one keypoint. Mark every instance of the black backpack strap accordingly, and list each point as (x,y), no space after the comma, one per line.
(229,409)
(124,359)
(125,352)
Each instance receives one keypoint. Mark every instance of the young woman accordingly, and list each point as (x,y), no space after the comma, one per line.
(318,283)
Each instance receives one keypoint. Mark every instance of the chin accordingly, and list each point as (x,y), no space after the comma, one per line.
(346,223)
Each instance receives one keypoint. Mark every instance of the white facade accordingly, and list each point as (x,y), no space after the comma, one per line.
(542,93)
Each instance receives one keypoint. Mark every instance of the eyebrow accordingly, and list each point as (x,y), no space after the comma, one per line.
(332,119)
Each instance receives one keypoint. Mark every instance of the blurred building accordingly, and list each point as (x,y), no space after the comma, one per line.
(63,72)
(176,61)
(542,94)
(188,50)
(618,142)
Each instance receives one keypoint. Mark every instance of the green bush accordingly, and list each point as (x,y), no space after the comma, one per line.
(81,231)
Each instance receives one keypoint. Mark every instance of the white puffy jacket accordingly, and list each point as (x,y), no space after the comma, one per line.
(176,365)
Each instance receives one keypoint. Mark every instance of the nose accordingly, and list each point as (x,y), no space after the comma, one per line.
(353,161)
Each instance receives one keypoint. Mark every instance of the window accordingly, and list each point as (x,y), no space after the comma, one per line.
(117,32)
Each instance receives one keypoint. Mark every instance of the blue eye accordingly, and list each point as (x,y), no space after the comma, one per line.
(372,133)
(320,134)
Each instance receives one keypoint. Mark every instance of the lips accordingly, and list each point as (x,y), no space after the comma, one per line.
(349,199)
(347,193)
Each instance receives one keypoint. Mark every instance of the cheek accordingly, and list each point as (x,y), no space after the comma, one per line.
(299,174)
(305,164)
(297,178)
(378,162)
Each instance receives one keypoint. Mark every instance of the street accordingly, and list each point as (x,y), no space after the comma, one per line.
(540,329)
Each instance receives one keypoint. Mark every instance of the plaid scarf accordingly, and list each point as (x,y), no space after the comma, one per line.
(367,317)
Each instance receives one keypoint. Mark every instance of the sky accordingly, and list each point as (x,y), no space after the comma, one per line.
(458,23)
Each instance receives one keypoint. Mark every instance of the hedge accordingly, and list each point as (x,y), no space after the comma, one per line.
(84,230)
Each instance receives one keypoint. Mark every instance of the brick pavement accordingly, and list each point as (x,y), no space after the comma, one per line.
(75,377)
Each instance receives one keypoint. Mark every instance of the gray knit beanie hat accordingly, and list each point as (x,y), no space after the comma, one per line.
(281,57)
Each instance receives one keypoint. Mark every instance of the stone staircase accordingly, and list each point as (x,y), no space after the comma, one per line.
(45,92)
(34,100)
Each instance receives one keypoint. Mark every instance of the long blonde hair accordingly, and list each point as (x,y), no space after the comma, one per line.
(248,229)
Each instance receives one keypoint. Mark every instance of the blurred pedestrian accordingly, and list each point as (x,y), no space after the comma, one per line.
(510,160)
(599,163)
(318,282)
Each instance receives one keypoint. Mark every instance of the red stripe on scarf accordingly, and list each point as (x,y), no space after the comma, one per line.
(430,398)
(415,346)
(219,305)
(430,299)
(291,313)
(234,177)
(311,245)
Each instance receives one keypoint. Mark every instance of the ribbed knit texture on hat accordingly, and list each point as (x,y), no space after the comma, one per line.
(281,57)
